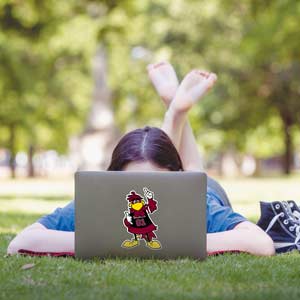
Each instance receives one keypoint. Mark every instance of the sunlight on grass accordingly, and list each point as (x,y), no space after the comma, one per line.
(34,195)
(37,187)
(14,222)
(246,193)
(30,205)
(23,201)
(15,214)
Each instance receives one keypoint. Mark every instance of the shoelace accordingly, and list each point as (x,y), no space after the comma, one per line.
(295,227)
(274,219)
(295,213)
(288,210)
(297,216)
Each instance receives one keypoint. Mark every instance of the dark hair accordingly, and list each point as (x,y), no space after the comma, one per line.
(146,144)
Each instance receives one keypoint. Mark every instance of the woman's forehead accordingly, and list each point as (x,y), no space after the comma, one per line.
(143,166)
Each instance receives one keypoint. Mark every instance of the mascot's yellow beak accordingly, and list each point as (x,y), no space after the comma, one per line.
(137,206)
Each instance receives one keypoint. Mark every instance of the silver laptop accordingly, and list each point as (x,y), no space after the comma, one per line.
(140,214)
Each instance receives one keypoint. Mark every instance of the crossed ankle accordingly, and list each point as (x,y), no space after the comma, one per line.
(175,115)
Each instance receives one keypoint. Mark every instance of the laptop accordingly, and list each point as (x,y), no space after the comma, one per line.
(140,214)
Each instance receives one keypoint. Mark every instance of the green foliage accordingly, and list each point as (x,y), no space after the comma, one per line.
(44,55)
(46,48)
(253,48)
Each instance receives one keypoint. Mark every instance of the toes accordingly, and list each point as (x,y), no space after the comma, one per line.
(151,67)
(213,76)
(211,79)
(194,74)
(160,64)
(203,73)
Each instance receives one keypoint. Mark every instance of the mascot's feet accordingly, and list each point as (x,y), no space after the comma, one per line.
(154,245)
(130,243)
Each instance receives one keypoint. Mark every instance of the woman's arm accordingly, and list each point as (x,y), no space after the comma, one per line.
(245,237)
(38,238)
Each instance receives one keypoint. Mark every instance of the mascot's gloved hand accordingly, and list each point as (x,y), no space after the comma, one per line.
(148,193)
(129,218)
(152,204)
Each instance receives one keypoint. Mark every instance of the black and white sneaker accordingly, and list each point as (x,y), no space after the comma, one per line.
(278,221)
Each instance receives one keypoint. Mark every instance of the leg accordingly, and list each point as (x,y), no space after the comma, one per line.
(165,82)
(150,243)
(148,238)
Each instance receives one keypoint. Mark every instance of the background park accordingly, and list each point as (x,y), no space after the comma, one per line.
(73,79)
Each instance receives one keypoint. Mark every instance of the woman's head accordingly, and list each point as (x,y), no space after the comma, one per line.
(146,149)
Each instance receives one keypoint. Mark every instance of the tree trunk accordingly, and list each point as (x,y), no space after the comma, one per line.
(12,150)
(289,153)
(287,123)
(92,149)
(31,170)
(257,171)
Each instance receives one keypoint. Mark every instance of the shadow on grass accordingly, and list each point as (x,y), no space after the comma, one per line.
(37,197)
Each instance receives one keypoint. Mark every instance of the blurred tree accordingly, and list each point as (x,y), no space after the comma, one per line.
(44,53)
(46,47)
(268,79)
(253,47)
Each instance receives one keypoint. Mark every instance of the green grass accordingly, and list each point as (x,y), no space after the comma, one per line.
(238,276)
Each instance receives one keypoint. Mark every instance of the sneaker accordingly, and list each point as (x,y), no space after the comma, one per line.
(279,223)
(295,210)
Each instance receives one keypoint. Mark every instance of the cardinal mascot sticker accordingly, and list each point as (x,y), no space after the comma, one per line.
(138,222)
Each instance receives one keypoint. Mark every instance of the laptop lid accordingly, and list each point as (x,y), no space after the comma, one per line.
(140,214)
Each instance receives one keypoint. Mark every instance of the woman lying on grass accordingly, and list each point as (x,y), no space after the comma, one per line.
(154,149)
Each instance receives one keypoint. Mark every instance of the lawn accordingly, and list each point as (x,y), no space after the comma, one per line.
(238,276)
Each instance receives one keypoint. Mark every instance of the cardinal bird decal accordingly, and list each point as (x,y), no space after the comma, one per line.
(138,222)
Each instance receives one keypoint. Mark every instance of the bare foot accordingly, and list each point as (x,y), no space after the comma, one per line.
(164,79)
(192,88)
